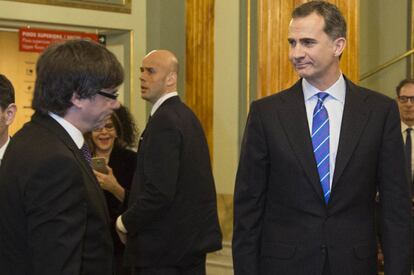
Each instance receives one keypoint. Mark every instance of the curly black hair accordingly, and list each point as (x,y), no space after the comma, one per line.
(125,127)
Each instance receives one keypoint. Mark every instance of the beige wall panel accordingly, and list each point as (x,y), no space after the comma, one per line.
(350,58)
(19,67)
(199,86)
(275,72)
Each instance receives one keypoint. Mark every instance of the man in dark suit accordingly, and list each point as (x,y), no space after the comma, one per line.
(7,112)
(311,161)
(405,100)
(53,215)
(171,221)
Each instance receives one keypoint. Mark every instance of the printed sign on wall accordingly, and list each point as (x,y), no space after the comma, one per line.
(36,40)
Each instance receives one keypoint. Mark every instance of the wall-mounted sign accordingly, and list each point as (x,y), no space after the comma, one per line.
(36,40)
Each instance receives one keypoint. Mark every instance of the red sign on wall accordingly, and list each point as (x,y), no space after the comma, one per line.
(36,40)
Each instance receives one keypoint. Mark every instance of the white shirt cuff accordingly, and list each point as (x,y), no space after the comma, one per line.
(120,225)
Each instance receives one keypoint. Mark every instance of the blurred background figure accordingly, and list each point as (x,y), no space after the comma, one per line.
(405,100)
(113,142)
(7,112)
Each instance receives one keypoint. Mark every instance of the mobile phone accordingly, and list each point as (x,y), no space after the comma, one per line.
(99,164)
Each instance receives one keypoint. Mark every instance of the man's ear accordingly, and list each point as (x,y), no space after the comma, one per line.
(171,78)
(339,46)
(76,100)
(10,113)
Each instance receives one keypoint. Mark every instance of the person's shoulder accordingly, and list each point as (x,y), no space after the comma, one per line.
(122,154)
(174,109)
(279,96)
(129,153)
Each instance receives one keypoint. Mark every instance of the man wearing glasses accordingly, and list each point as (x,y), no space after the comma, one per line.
(405,99)
(53,214)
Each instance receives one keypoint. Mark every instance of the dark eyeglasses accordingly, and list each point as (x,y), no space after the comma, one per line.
(113,96)
(404,99)
(108,127)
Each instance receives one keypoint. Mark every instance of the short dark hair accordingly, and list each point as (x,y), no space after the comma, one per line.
(402,84)
(75,66)
(6,92)
(335,24)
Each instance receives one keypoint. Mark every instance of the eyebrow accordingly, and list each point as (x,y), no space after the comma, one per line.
(146,68)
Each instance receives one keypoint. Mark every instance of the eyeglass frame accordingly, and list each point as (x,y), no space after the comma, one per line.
(404,99)
(108,129)
(113,96)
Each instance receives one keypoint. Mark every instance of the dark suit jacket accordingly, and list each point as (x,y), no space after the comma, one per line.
(123,163)
(53,215)
(172,215)
(282,225)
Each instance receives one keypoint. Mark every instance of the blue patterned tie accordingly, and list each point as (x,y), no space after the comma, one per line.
(86,153)
(320,142)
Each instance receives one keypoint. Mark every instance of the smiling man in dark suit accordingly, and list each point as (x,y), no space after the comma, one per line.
(53,215)
(312,159)
(171,221)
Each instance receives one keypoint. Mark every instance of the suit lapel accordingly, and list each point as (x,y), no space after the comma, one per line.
(56,129)
(295,123)
(354,120)
(169,101)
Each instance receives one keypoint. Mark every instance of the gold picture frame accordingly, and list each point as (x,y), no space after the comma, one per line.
(123,6)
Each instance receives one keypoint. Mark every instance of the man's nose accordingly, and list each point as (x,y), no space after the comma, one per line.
(297,52)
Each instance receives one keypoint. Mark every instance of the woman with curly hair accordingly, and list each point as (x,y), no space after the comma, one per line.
(113,143)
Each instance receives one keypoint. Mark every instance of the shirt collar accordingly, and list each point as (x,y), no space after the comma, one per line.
(73,132)
(337,90)
(3,148)
(161,101)
(404,127)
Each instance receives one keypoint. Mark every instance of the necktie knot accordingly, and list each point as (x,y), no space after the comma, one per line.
(409,131)
(322,96)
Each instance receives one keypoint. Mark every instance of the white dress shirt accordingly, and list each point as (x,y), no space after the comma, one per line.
(3,149)
(334,105)
(73,132)
(161,100)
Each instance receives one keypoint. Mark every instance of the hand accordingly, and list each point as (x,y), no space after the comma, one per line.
(120,229)
(122,236)
(109,183)
(106,181)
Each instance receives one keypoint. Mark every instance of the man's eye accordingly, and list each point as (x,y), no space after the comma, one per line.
(308,42)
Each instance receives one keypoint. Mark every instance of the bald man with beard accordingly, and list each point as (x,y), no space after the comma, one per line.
(171,221)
